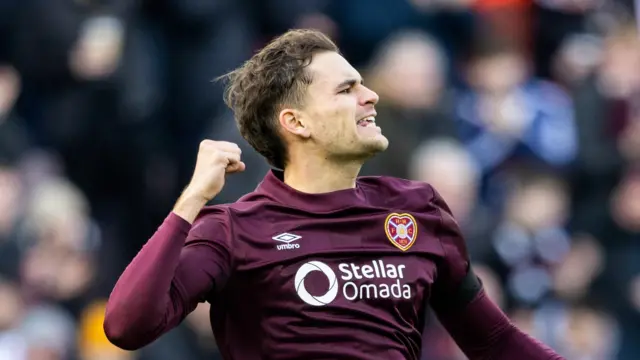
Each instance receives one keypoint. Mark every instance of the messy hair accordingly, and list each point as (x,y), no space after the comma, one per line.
(273,78)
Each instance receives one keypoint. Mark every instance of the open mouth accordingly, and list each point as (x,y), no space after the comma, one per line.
(366,122)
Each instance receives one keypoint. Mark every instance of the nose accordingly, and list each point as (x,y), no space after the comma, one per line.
(369,97)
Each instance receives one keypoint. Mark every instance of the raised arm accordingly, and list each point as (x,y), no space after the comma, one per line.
(478,326)
(177,268)
(182,264)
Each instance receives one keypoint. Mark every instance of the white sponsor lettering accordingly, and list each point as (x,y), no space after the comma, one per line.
(377,269)
(355,286)
(396,290)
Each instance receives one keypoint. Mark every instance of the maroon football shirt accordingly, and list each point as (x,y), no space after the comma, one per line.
(290,275)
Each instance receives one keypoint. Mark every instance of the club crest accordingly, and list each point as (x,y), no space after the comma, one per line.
(401,230)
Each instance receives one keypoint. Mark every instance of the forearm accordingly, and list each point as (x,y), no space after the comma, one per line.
(483,331)
(145,301)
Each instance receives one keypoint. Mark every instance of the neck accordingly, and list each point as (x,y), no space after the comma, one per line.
(315,176)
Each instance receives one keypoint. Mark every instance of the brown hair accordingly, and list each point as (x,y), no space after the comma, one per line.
(273,78)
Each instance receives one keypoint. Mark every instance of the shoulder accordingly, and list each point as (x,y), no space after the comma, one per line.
(399,193)
(390,184)
(220,217)
(212,222)
(410,195)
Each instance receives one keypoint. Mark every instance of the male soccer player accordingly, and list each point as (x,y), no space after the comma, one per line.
(316,263)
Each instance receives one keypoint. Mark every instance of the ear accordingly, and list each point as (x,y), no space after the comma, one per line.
(293,122)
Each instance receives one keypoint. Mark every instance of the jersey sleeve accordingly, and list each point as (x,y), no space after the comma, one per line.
(456,284)
(478,326)
(207,257)
(180,266)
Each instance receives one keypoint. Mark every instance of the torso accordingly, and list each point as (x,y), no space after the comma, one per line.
(350,283)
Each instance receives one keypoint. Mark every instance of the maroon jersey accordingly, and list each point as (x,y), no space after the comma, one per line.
(341,275)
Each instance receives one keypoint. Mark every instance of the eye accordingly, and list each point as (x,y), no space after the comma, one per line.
(345,91)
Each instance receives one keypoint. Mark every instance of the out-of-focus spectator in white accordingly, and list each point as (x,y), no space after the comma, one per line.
(408,73)
(452,171)
(97,52)
(59,262)
(576,59)
(42,332)
(49,332)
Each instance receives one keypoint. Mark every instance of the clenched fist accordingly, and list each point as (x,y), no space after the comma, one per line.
(215,160)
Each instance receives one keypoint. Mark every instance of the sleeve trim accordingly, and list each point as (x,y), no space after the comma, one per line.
(468,289)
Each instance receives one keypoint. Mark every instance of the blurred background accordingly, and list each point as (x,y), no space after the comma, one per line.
(524,114)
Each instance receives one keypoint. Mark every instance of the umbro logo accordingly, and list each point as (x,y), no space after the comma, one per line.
(287,239)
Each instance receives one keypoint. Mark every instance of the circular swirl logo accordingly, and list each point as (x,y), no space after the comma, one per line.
(302,273)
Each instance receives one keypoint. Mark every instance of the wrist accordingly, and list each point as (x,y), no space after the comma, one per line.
(189,205)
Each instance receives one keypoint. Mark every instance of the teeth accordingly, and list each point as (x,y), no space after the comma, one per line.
(366,121)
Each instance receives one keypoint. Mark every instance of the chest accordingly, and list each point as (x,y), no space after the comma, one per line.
(279,237)
(370,261)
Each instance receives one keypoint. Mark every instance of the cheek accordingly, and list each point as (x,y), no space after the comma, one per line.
(346,115)
(336,130)
(336,120)
(344,128)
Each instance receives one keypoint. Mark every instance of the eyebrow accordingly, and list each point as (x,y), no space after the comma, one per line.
(349,83)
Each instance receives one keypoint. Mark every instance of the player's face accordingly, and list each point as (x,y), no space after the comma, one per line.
(339,110)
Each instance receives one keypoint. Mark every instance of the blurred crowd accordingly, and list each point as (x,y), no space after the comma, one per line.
(524,114)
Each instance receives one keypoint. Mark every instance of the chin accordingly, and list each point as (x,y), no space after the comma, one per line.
(376,144)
